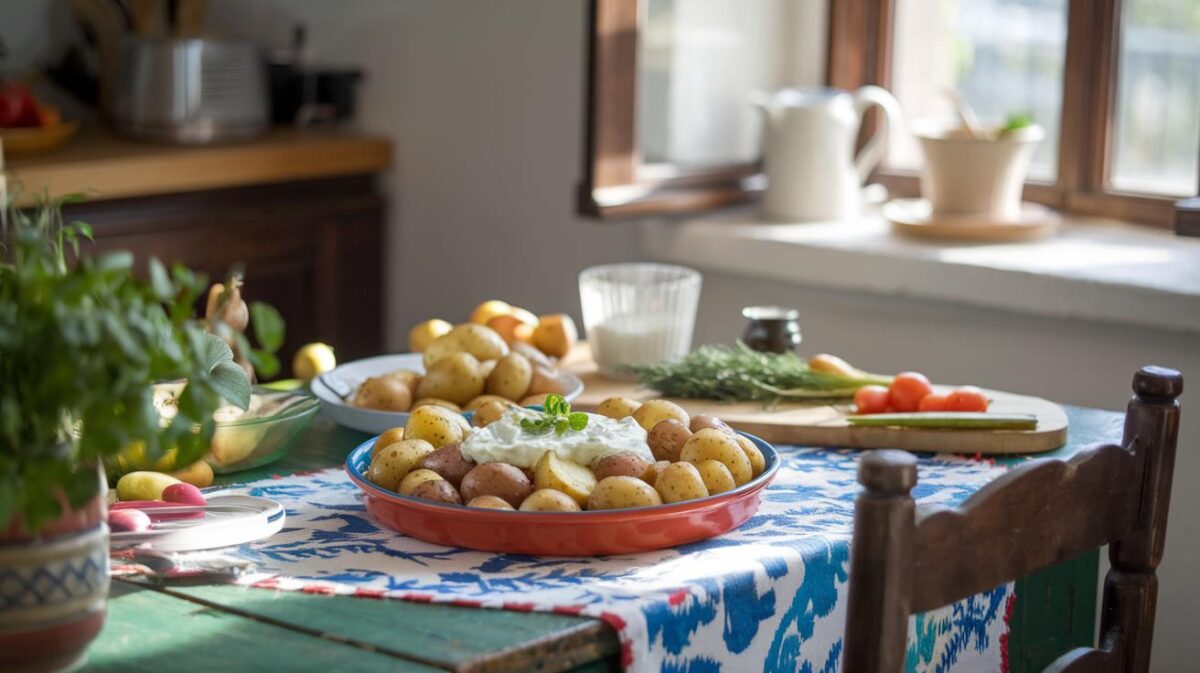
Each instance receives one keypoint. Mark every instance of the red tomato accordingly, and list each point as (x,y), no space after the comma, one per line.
(907,390)
(871,399)
(967,398)
(933,402)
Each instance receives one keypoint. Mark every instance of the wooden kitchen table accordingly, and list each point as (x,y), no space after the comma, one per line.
(225,628)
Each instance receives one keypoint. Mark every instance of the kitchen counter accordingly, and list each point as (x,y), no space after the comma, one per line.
(109,167)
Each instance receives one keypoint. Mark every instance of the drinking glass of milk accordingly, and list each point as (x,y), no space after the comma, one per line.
(638,313)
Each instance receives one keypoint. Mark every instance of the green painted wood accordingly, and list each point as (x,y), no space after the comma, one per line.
(148,631)
(440,635)
(1055,612)
(1056,607)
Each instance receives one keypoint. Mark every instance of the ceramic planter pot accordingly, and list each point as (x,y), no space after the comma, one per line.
(53,588)
(975,176)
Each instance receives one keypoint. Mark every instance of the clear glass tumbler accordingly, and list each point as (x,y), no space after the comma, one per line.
(638,313)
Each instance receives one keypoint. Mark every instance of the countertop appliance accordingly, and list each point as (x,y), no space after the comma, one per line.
(190,91)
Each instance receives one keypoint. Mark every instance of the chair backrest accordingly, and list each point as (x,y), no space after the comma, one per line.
(903,561)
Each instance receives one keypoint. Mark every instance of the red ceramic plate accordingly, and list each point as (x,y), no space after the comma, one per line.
(621,531)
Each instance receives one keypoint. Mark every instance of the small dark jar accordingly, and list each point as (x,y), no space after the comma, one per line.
(772,329)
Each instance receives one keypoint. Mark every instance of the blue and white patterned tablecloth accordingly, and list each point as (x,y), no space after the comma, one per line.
(769,596)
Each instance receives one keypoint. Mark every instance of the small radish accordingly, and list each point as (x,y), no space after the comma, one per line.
(184,494)
(128,520)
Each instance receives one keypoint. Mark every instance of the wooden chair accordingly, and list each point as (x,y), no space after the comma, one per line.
(904,561)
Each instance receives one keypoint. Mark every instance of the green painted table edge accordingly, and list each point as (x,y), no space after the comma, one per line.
(1054,611)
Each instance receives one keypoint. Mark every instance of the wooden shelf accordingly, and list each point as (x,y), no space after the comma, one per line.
(108,167)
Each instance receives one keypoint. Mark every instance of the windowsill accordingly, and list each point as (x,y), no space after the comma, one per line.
(1092,269)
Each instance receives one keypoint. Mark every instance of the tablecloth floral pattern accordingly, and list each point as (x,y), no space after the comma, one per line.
(769,596)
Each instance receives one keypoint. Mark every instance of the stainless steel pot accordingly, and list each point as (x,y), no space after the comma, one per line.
(190,91)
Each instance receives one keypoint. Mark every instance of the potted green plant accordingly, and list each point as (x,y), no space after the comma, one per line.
(81,341)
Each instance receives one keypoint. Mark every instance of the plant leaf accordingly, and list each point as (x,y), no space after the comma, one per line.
(268,326)
(562,425)
(230,382)
(216,352)
(160,282)
(578,420)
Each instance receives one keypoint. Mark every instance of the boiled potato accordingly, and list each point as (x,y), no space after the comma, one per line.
(144,485)
(415,478)
(530,351)
(758,462)
(617,407)
(423,334)
(679,482)
(533,400)
(480,341)
(474,404)
(717,478)
(511,377)
(702,421)
(438,490)
(709,444)
(436,425)
(564,475)
(655,470)
(651,412)
(449,462)
(455,378)
(499,479)
(511,328)
(555,334)
(549,500)
(385,440)
(408,377)
(384,394)
(486,367)
(198,474)
(435,402)
(489,502)
(666,439)
(546,381)
(621,493)
(394,462)
(621,464)
(490,412)
(488,310)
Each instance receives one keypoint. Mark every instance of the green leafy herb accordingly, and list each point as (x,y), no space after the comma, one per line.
(81,342)
(557,415)
(740,374)
(1017,121)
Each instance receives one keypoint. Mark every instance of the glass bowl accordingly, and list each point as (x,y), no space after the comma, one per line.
(246,443)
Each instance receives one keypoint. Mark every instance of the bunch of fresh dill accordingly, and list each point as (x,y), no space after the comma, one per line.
(740,374)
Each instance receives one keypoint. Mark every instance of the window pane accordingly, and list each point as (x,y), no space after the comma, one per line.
(1005,56)
(1158,97)
(698,63)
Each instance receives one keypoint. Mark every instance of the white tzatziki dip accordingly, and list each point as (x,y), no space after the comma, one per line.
(504,441)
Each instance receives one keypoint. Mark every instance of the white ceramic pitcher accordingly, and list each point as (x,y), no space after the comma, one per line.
(808,150)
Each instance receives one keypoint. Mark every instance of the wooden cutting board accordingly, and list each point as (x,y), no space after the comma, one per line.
(825,425)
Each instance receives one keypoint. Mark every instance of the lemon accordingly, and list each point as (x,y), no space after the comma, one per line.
(312,360)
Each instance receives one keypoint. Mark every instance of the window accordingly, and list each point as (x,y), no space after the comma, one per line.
(1158,97)
(1004,56)
(1115,84)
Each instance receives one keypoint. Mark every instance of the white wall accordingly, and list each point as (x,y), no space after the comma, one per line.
(484,101)
(1069,361)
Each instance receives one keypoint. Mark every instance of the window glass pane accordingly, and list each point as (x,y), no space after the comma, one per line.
(698,63)
(1005,56)
(1157,140)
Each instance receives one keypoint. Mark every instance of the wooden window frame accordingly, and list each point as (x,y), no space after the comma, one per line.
(860,52)
(617,184)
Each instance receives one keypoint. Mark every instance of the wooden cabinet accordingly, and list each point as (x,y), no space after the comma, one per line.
(313,249)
